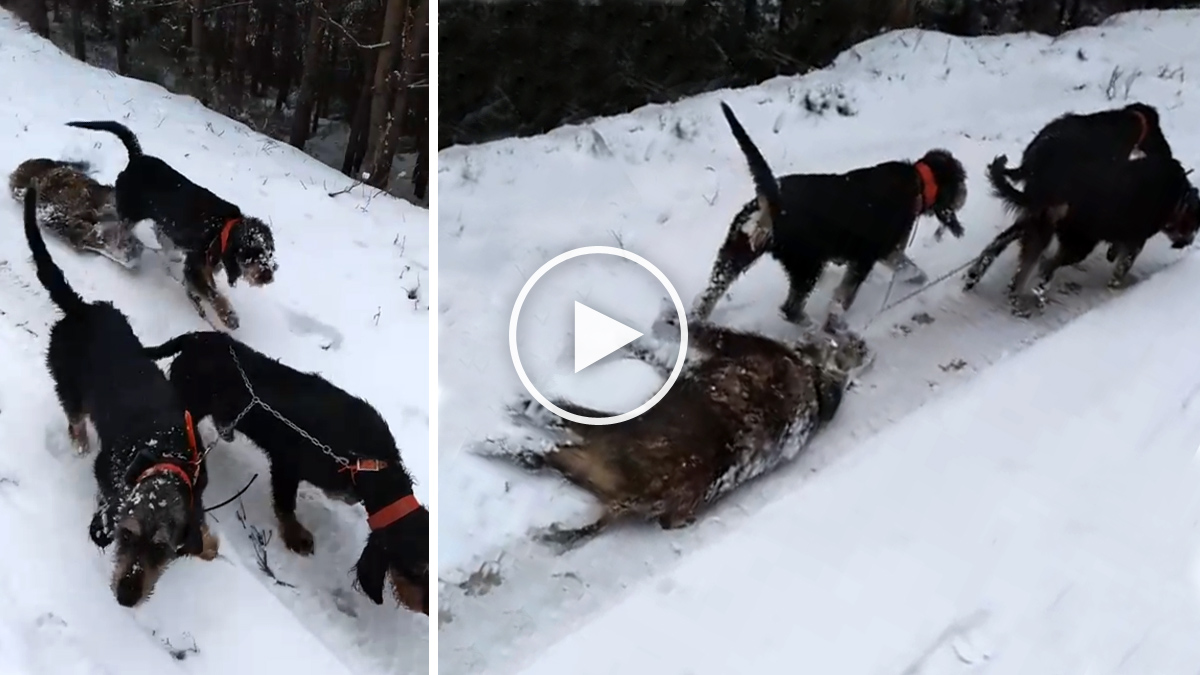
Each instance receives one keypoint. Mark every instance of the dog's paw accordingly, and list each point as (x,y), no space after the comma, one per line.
(912,275)
(796,317)
(99,531)
(212,546)
(297,538)
(1025,306)
(229,318)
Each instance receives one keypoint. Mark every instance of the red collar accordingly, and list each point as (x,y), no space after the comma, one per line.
(393,512)
(929,186)
(168,467)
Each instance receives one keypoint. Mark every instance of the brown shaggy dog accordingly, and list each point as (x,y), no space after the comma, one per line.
(75,208)
(744,405)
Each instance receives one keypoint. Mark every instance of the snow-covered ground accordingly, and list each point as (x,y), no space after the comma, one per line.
(664,182)
(338,307)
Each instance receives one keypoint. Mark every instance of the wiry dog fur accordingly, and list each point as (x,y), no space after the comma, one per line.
(76,208)
(210,232)
(149,477)
(860,218)
(744,405)
(1123,202)
(207,377)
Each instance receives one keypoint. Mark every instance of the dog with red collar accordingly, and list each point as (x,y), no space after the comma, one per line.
(345,449)
(209,231)
(857,219)
(148,470)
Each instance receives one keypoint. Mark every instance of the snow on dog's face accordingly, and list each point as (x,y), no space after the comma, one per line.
(151,527)
(1182,229)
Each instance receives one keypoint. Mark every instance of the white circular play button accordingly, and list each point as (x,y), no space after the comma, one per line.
(597,335)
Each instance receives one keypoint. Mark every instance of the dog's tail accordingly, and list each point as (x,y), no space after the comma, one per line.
(998,176)
(49,273)
(117,129)
(764,181)
(170,347)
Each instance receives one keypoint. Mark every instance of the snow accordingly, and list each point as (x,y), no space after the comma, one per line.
(337,307)
(664,182)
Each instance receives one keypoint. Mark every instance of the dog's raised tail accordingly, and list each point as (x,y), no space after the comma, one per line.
(48,272)
(1002,187)
(764,181)
(128,138)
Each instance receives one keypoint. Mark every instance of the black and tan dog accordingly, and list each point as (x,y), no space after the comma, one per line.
(860,218)
(346,451)
(148,471)
(76,208)
(744,406)
(210,232)
(1123,202)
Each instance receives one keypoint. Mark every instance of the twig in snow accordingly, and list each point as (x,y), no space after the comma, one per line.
(181,654)
(259,540)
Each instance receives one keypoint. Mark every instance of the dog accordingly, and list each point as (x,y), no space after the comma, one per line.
(744,405)
(210,232)
(1052,157)
(148,470)
(1124,203)
(1115,134)
(860,218)
(76,208)
(346,450)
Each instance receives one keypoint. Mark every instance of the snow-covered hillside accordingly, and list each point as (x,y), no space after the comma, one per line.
(338,307)
(664,182)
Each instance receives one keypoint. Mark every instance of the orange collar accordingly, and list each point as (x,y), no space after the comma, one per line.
(225,231)
(929,186)
(393,512)
(1143,128)
(167,467)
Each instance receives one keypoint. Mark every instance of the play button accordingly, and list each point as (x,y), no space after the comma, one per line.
(596,335)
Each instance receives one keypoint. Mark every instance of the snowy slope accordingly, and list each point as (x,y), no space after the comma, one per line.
(338,307)
(664,182)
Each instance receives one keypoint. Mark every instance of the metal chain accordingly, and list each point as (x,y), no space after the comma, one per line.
(255,400)
(917,292)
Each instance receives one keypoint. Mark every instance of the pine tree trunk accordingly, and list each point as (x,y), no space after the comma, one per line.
(308,79)
(56,10)
(286,66)
(241,27)
(356,143)
(264,46)
(77,30)
(38,17)
(198,45)
(381,100)
(103,10)
(120,19)
(414,44)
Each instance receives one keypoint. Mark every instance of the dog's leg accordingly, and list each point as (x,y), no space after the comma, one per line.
(198,278)
(989,254)
(904,268)
(802,277)
(1034,242)
(1128,253)
(1070,252)
(284,485)
(77,431)
(212,544)
(846,292)
(742,247)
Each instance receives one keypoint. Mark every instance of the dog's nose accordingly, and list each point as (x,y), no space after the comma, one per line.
(267,275)
(129,592)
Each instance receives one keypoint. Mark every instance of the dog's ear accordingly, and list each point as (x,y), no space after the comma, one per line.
(372,569)
(233,270)
(141,461)
(100,529)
